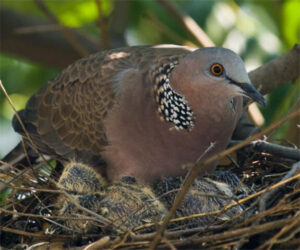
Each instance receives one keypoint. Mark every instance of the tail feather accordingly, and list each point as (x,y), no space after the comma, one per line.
(20,155)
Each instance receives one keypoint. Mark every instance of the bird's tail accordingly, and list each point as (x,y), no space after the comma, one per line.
(20,154)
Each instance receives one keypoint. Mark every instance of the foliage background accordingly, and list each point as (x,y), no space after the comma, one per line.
(257,30)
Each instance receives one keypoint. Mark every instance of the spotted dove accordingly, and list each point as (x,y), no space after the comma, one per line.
(140,111)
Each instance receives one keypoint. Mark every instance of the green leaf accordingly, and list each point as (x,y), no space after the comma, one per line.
(291,21)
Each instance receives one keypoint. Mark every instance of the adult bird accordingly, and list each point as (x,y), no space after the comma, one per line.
(140,111)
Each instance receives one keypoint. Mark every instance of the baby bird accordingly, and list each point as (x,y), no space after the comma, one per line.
(124,203)
(128,204)
(80,179)
(205,195)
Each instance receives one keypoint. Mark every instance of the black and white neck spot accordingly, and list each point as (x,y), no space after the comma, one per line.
(171,106)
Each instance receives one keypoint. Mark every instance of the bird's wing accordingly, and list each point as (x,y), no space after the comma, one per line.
(65,118)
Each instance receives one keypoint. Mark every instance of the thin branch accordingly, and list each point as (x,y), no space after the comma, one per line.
(164,29)
(40,216)
(99,244)
(40,235)
(37,29)
(20,232)
(255,114)
(118,22)
(188,23)
(278,71)
(271,148)
(173,234)
(283,231)
(169,244)
(45,28)
(267,196)
(49,48)
(66,32)
(103,27)
(248,231)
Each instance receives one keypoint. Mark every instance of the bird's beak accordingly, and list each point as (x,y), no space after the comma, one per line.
(250,91)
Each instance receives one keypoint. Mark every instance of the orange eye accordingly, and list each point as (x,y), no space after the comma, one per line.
(216,69)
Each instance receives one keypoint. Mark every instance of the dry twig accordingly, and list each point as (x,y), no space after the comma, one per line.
(66,32)
(188,23)
(103,27)
(275,73)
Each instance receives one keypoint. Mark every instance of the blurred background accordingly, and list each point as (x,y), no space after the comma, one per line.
(39,38)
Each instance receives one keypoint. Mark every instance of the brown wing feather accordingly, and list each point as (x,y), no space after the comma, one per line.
(72,108)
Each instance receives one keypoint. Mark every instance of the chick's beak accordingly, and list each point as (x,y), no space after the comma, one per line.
(250,91)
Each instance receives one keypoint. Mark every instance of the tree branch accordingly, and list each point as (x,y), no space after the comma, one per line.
(66,32)
(271,148)
(42,47)
(102,26)
(266,197)
(118,22)
(278,71)
(48,46)
(188,23)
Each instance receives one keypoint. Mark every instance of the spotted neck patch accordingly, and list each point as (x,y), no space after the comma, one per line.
(172,107)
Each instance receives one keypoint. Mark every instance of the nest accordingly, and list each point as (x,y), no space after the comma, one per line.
(271,218)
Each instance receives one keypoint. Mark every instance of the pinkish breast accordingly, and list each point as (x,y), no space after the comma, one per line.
(143,146)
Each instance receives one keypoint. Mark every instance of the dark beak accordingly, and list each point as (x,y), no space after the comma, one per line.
(250,91)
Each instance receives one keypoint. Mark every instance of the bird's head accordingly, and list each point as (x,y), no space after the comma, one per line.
(209,73)
(221,68)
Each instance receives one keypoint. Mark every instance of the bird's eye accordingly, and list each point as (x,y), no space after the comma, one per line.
(216,69)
